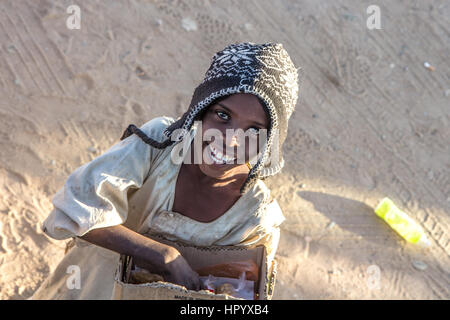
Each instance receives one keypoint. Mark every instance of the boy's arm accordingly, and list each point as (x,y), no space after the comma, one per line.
(147,253)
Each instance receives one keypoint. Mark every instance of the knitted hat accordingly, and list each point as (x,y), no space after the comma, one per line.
(264,70)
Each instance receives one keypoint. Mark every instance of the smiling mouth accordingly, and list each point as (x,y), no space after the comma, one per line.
(218,157)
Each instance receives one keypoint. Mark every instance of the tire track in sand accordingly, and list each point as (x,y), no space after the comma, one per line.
(37,66)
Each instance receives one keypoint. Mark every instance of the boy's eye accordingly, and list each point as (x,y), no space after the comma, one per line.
(222,115)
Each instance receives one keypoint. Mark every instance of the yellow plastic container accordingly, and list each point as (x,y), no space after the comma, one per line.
(406,227)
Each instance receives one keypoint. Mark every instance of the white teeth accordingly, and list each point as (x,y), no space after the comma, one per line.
(219,157)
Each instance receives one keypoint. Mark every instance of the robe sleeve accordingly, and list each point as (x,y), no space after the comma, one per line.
(265,230)
(96,194)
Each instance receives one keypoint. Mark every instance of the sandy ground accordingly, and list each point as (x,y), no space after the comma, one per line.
(371,121)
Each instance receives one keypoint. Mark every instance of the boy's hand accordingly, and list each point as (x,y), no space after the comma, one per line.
(180,272)
(173,267)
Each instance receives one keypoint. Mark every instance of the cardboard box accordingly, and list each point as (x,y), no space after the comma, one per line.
(197,257)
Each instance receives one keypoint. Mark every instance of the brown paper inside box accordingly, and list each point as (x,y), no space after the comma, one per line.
(197,257)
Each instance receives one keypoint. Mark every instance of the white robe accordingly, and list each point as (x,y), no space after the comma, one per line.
(134,184)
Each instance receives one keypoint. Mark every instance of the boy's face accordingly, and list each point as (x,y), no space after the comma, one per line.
(225,154)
